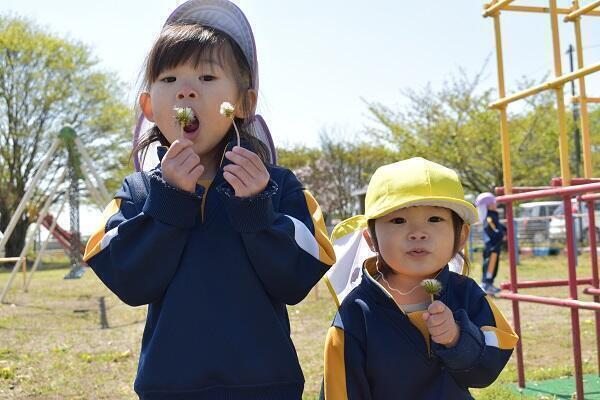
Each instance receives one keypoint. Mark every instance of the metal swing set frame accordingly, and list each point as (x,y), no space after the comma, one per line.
(74,170)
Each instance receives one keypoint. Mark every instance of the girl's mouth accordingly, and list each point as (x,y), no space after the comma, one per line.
(192,126)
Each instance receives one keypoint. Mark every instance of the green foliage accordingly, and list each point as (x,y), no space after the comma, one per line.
(336,170)
(455,127)
(47,83)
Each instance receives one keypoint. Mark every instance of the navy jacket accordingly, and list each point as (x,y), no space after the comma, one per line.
(493,232)
(374,352)
(216,282)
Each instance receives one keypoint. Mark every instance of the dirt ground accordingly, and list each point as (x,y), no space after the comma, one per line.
(52,345)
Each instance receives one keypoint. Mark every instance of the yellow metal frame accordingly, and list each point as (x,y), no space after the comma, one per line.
(574,15)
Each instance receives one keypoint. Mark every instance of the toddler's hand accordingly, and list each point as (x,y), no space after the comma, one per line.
(181,167)
(441,324)
(247,175)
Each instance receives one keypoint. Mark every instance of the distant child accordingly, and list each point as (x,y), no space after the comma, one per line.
(215,240)
(493,235)
(411,328)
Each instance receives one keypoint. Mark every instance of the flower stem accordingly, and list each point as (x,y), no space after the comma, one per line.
(237,133)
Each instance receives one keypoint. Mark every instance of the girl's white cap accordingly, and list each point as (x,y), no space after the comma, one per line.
(224,16)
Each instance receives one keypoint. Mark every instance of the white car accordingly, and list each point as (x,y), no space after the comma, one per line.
(557,230)
(534,220)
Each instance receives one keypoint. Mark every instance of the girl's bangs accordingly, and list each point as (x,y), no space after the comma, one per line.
(187,44)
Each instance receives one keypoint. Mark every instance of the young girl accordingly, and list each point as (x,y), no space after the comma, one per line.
(392,339)
(220,241)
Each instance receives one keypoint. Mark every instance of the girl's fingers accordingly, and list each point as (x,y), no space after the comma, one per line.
(441,339)
(251,156)
(234,181)
(197,171)
(177,147)
(445,337)
(190,163)
(436,307)
(436,320)
(239,173)
(184,156)
(242,162)
(242,157)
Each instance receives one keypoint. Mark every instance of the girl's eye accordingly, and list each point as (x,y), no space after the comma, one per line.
(435,219)
(168,79)
(398,220)
(207,78)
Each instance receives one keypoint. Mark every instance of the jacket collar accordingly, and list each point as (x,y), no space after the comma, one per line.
(382,296)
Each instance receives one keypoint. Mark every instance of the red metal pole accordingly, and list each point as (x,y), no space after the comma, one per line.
(559,191)
(548,283)
(573,294)
(591,290)
(594,259)
(551,301)
(592,196)
(520,189)
(574,181)
(512,259)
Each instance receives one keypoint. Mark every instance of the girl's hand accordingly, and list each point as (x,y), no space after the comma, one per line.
(247,175)
(441,324)
(181,167)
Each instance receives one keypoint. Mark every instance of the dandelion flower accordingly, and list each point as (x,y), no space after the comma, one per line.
(227,110)
(183,116)
(432,286)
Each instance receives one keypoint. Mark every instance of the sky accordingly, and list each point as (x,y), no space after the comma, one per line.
(322,61)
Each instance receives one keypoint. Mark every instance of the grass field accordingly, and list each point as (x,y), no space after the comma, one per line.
(52,346)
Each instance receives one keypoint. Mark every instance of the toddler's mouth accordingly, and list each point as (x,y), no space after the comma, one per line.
(417,252)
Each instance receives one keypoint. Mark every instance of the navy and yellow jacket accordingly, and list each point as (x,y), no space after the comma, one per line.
(216,277)
(493,232)
(374,352)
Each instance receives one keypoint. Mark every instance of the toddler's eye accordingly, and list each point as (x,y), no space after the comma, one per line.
(398,220)
(168,79)
(435,219)
(207,78)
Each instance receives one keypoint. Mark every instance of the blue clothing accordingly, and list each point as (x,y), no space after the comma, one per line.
(374,352)
(216,277)
(493,232)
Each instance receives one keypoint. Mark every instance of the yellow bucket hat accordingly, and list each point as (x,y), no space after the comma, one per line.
(408,183)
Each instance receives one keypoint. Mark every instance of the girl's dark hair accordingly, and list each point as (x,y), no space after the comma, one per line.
(457,224)
(182,43)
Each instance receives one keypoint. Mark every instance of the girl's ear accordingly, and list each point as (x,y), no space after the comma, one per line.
(146,106)
(367,235)
(250,100)
(464,235)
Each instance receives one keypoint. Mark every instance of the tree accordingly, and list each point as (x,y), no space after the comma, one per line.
(595,138)
(47,82)
(455,127)
(336,170)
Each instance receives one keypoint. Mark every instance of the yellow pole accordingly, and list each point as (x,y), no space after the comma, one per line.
(581,11)
(563,144)
(551,84)
(504,134)
(545,10)
(496,7)
(586,143)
